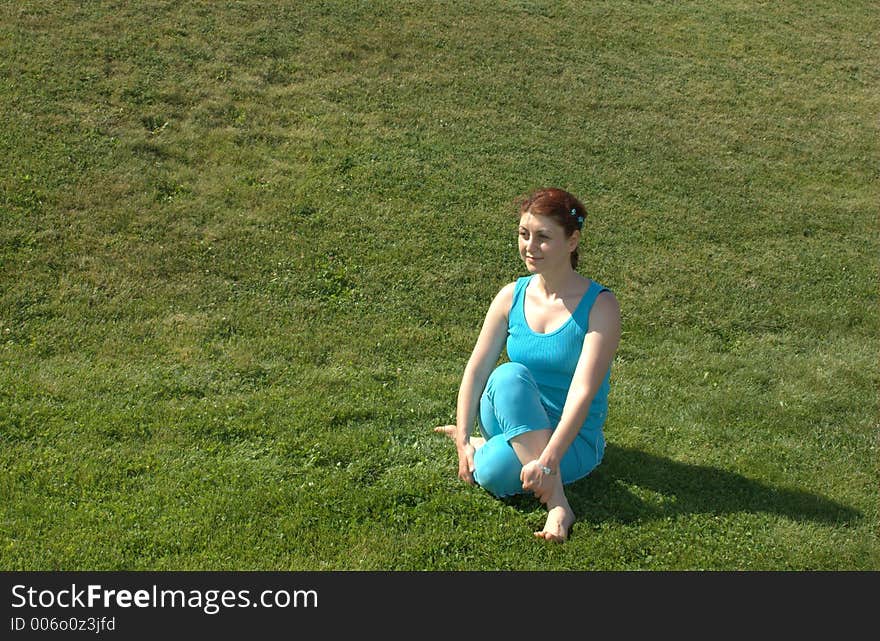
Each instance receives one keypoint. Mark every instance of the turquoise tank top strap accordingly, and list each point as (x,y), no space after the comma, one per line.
(519,289)
(582,313)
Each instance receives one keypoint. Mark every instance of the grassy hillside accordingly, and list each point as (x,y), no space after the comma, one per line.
(246,251)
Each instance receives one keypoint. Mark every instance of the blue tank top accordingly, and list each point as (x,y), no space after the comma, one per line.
(552,357)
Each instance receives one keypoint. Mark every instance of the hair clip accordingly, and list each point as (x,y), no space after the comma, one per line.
(580,218)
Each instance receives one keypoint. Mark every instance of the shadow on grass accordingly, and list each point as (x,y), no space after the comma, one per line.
(631,485)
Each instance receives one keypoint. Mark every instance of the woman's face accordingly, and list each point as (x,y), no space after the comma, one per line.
(543,245)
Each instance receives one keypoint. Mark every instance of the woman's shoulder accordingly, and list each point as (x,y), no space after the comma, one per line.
(605,307)
(604,293)
(503,300)
(601,292)
(518,285)
(607,299)
(505,294)
(510,290)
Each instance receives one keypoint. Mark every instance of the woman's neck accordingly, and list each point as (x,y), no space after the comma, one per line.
(560,284)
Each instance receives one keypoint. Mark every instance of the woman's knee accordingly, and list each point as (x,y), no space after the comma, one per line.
(512,379)
(497,481)
(497,468)
(511,372)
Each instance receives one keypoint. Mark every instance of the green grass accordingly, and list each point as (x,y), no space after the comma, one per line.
(245,254)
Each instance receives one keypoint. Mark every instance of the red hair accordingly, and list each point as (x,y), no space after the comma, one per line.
(568,212)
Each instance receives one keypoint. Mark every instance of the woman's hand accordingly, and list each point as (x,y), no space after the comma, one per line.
(465,453)
(535,480)
(466,463)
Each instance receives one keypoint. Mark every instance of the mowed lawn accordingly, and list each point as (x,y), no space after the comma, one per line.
(246,249)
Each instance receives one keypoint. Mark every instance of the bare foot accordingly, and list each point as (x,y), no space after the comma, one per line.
(559,520)
(449,430)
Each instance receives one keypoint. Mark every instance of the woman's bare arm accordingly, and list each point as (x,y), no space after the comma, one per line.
(482,361)
(600,344)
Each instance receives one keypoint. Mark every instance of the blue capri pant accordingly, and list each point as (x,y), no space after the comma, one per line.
(510,406)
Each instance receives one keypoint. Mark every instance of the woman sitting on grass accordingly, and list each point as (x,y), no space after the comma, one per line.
(541,414)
